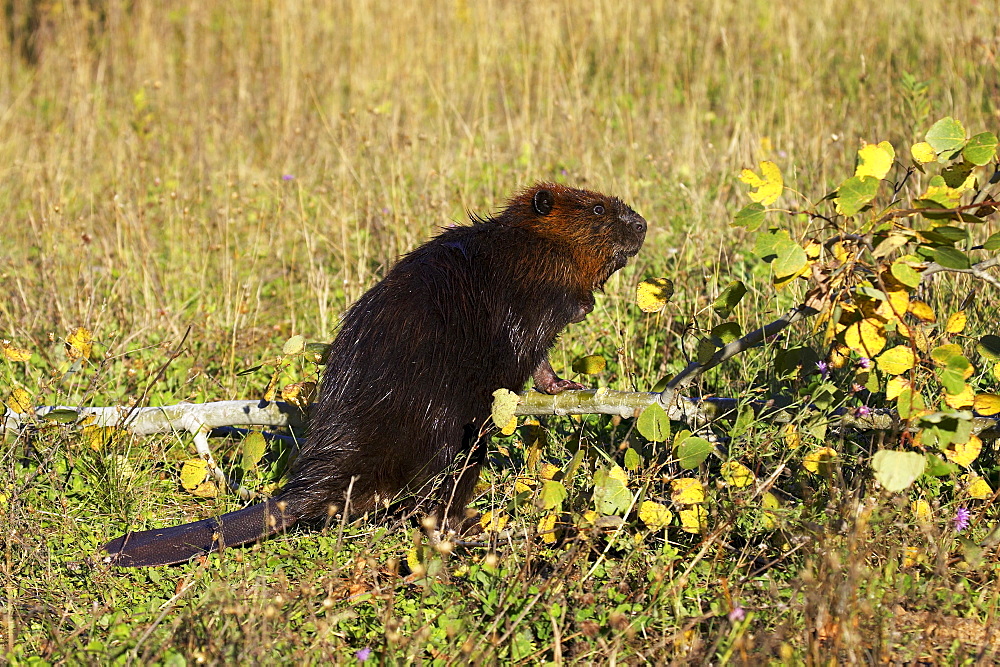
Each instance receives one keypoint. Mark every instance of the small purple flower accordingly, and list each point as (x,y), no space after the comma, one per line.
(824,368)
(961,519)
(863,411)
(288,177)
(363,654)
(737,614)
(864,363)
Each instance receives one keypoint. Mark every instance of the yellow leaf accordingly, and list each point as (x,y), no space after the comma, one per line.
(887,147)
(271,390)
(875,161)
(687,491)
(963,399)
(653,294)
(913,556)
(780,282)
(299,394)
(896,304)
(923,153)
(206,489)
(589,517)
(978,487)
(791,434)
(818,461)
(838,356)
(693,519)
(965,453)
(19,401)
(414,559)
(617,472)
(866,337)
(840,252)
(502,411)
(769,186)
(956,322)
(812,248)
(523,484)
(737,474)
(548,471)
(895,387)
(922,311)
(916,333)
(921,510)
(655,515)
(100,437)
(546,527)
(79,344)
(510,427)
(13,353)
(493,522)
(193,473)
(897,360)
(769,520)
(987,404)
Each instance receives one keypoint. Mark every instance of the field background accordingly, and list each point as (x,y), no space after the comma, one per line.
(249,169)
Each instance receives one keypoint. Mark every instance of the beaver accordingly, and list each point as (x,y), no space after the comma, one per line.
(408,384)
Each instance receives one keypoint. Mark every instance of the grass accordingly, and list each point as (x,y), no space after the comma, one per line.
(249,170)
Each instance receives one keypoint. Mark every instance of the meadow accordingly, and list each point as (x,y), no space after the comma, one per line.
(195,183)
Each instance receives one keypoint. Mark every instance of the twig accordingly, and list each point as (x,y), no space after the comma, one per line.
(977,270)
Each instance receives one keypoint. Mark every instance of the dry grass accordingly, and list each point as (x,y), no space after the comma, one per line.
(145,156)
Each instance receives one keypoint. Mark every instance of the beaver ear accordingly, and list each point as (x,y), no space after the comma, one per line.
(543,202)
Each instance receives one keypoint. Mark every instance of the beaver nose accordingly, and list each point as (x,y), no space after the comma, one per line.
(637,222)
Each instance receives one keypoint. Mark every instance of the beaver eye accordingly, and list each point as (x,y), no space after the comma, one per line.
(598,210)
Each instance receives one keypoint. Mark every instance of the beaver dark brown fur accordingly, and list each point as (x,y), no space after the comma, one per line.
(408,385)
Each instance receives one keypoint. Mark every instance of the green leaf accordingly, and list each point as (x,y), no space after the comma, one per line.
(791,259)
(938,467)
(61,416)
(317,351)
(706,350)
(952,376)
(905,274)
(946,135)
(653,424)
(896,470)
(693,451)
(854,193)
(592,364)
(981,148)
(611,495)
(632,460)
(293,345)
(730,298)
(951,258)
(552,495)
(767,242)
(989,347)
(254,447)
(751,217)
(726,333)
(909,402)
(993,242)
(952,234)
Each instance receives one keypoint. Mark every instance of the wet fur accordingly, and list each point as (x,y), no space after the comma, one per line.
(409,378)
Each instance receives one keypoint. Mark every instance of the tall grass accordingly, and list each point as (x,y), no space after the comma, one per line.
(249,169)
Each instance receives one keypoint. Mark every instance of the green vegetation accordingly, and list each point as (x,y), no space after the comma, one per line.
(241,172)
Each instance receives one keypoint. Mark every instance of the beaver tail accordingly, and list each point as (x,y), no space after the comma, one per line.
(166,546)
